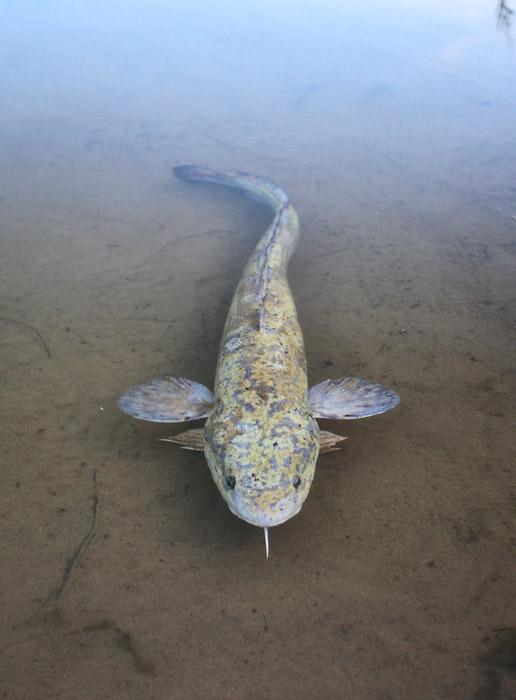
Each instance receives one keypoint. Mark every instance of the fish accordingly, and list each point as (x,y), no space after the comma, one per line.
(261,438)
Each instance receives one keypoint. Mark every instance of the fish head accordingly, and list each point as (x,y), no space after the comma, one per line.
(262,466)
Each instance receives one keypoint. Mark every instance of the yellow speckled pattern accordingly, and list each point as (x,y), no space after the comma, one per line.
(260,441)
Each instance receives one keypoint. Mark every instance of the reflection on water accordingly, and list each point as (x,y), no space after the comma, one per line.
(504,15)
(391,124)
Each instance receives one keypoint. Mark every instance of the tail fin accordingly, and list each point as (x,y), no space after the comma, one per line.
(260,188)
(275,247)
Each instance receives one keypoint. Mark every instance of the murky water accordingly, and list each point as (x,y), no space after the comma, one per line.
(392,125)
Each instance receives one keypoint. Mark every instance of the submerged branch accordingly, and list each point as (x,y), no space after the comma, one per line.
(72,561)
(38,333)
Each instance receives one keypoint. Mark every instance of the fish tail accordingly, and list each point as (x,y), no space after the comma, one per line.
(276,246)
(260,188)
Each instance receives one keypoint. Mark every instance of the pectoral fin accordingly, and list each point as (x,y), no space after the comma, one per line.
(350,398)
(167,400)
(189,440)
(328,442)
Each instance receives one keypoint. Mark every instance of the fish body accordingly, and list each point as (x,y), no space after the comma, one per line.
(261,443)
(261,438)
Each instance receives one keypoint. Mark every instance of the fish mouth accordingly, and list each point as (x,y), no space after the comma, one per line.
(264,519)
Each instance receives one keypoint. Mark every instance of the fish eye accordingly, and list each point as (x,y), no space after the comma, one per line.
(231,482)
(297,482)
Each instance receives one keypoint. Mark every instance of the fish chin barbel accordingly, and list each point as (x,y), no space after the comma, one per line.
(261,438)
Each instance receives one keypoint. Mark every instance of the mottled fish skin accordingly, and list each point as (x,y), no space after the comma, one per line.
(260,440)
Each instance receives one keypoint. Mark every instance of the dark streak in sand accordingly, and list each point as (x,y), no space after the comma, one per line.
(72,561)
(124,641)
(38,333)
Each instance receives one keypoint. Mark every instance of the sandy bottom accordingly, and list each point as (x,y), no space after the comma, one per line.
(124,575)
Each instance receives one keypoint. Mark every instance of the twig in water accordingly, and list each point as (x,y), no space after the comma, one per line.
(72,561)
(39,335)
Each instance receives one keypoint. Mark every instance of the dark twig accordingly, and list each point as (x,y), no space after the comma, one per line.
(504,15)
(72,561)
(125,641)
(39,335)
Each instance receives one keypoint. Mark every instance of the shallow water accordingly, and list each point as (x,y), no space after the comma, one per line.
(392,127)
